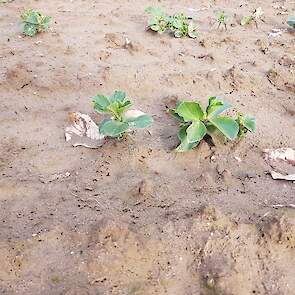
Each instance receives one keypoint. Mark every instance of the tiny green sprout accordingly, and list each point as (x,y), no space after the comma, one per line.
(256,15)
(196,123)
(122,119)
(180,24)
(221,19)
(291,21)
(34,22)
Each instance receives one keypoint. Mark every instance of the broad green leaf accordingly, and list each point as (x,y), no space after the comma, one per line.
(142,121)
(175,115)
(32,18)
(117,96)
(112,128)
(291,21)
(190,111)
(177,24)
(249,123)
(215,134)
(226,125)
(30,29)
(182,132)
(216,106)
(184,145)
(100,102)
(196,131)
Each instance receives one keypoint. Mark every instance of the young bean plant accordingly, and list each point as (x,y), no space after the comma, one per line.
(122,120)
(180,24)
(291,21)
(34,22)
(221,19)
(255,16)
(196,123)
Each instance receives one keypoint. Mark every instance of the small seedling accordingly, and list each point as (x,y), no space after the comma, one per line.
(291,21)
(197,123)
(160,21)
(122,119)
(221,19)
(180,24)
(255,16)
(34,22)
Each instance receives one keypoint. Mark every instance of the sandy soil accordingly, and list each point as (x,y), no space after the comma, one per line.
(133,217)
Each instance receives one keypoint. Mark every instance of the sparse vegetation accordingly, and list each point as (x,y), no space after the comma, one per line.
(197,123)
(34,22)
(180,24)
(254,17)
(122,119)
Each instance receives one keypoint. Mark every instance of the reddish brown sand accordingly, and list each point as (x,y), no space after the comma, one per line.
(133,217)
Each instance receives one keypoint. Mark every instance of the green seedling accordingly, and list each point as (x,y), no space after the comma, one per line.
(122,119)
(196,123)
(291,21)
(34,22)
(180,24)
(221,19)
(160,21)
(255,16)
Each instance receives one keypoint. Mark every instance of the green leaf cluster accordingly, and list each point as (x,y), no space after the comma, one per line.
(34,22)
(180,24)
(196,122)
(119,123)
(291,21)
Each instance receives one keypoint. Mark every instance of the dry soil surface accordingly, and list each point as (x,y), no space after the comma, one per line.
(133,217)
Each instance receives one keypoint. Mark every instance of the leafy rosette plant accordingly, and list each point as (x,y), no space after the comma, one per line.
(196,123)
(160,21)
(180,24)
(291,21)
(122,119)
(34,22)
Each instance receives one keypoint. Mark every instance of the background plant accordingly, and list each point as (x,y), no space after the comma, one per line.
(291,21)
(196,123)
(34,22)
(221,19)
(256,15)
(122,119)
(180,24)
